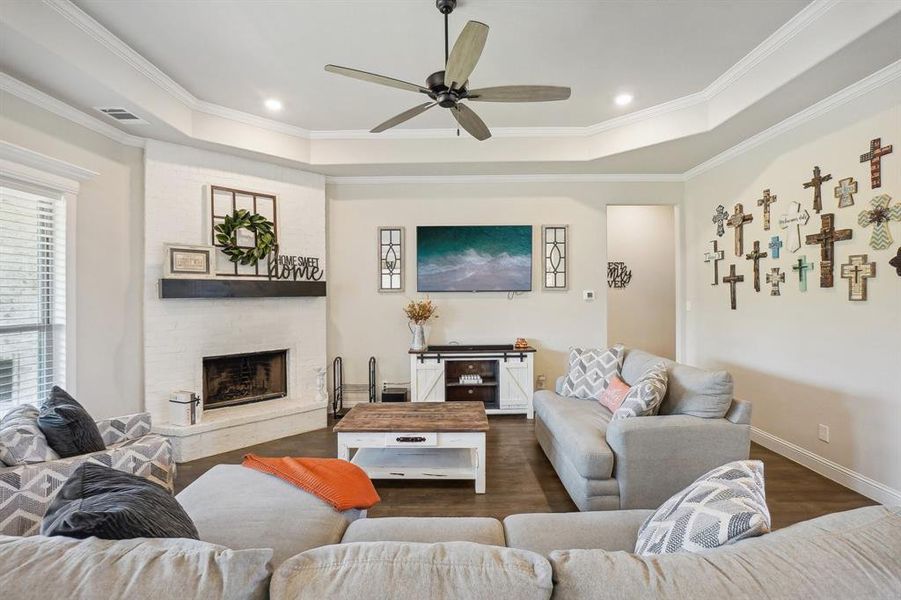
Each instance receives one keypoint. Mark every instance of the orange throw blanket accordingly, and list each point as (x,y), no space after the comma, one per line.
(342,484)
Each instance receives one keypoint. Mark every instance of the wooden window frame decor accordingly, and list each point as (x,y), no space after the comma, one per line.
(171,268)
(216,218)
(555,255)
(397,268)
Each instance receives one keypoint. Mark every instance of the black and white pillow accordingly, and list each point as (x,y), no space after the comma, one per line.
(69,429)
(723,506)
(590,369)
(21,440)
(646,395)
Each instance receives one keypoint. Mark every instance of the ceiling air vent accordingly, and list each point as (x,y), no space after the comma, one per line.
(122,115)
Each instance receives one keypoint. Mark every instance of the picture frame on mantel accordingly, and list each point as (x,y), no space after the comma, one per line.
(186,261)
(392,262)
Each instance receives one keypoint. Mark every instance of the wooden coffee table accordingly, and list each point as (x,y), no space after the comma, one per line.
(416,440)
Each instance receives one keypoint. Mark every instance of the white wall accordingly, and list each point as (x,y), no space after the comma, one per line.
(811,358)
(643,314)
(109,253)
(364,322)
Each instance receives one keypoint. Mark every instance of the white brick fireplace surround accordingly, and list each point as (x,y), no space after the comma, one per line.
(178,333)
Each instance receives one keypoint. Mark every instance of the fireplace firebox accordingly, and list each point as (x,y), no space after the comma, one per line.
(244,378)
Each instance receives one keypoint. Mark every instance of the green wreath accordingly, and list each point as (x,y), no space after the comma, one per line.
(260,226)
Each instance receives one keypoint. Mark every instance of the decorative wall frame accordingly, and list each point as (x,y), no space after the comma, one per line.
(195,262)
(392,262)
(225,201)
(555,248)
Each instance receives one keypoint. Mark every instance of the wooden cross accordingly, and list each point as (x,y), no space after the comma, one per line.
(756,255)
(732,279)
(765,203)
(775,245)
(879,217)
(802,266)
(714,256)
(816,182)
(877,151)
(774,277)
(738,221)
(857,270)
(719,216)
(826,239)
(896,262)
(792,220)
(845,191)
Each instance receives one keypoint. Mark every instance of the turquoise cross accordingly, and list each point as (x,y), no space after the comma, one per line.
(775,244)
(802,266)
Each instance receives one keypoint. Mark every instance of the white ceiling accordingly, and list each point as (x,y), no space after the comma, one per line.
(236,54)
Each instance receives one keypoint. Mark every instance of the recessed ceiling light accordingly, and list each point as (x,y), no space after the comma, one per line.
(273,104)
(623,99)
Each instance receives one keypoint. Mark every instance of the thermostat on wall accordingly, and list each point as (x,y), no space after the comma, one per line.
(587,295)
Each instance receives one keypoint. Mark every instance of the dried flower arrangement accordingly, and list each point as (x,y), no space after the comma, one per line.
(420,311)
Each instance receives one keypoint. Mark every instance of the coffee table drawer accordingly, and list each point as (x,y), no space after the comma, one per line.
(404,440)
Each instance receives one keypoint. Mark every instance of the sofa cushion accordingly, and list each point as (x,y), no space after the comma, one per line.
(240,508)
(459,570)
(579,429)
(589,369)
(21,440)
(69,428)
(644,397)
(690,390)
(98,501)
(57,567)
(481,530)
(855,554)
(543,533)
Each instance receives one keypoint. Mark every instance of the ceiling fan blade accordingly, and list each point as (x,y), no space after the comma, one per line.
(373,78)
(404,116)
(520,93)
(470,121)
(465,54)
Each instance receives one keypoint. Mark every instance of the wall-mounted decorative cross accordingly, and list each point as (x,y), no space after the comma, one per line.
(714,256)
(877,151)
(816,183)
(732,279)
(792,220)
(857,270)
(845,191)
(756,255)
(738,220)
(774,278)
(765,203)
(775,246)
(802,266)
(896,262)
(879,217)
(826,239)
(719,217)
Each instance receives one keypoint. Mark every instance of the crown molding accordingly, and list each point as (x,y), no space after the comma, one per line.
(511,178)
(48,164)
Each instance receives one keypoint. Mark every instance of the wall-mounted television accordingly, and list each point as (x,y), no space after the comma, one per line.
(474,258)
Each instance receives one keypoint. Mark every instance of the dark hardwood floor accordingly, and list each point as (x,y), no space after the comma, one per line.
(520,479)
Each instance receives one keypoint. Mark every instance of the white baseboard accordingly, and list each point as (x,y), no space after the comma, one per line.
(831,470)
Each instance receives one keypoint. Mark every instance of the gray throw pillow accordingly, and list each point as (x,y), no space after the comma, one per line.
(723,506)
(589,371)
(644,398)
(69,429)
(21,440)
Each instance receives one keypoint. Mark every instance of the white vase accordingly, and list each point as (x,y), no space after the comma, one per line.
(418,337)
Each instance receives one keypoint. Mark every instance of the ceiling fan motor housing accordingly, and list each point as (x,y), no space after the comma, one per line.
(446,98)
(446,7)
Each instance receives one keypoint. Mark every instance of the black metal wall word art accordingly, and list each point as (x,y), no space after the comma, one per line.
(225,201)
(618,274)
(816,182)
(294,268)
(555,240)
(391,259)
(874,157)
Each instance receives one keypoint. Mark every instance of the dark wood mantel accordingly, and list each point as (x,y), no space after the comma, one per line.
(239,288)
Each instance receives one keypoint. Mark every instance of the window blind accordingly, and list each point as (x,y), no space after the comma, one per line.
(32,295)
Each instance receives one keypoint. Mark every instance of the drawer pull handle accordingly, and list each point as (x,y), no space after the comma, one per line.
(410,439)
(469,391)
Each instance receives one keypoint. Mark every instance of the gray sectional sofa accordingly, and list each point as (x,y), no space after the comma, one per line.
(642,461)
(263,538)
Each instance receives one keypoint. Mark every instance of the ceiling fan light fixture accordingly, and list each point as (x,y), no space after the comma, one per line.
(273,104)
(623,99)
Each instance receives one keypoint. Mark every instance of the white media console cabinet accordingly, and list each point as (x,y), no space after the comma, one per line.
(499,376)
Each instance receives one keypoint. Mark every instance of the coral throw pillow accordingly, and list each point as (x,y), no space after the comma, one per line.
(615,393)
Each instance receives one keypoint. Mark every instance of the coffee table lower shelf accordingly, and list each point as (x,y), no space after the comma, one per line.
(416,463)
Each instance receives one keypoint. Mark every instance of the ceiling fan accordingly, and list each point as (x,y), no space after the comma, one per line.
(448,88)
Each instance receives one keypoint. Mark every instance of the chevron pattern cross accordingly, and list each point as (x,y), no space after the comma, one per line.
(879,216)
(723,506)
(590,370)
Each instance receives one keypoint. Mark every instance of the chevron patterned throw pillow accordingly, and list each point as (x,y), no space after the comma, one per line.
(21,441)
(723,506)
(590,370)
(644,398)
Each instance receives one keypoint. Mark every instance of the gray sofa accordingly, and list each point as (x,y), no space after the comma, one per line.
(262,538)
(642,461)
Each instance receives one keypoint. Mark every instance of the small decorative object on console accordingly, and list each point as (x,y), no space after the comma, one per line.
(419,312)
(195,262)
(521,344)
(184,408)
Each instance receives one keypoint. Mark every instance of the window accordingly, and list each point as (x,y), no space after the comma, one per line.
(32,295)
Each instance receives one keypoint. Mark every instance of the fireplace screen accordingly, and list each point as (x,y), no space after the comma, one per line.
(243,378)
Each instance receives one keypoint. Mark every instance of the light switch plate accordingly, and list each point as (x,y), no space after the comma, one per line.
(588,295)
(823,433)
